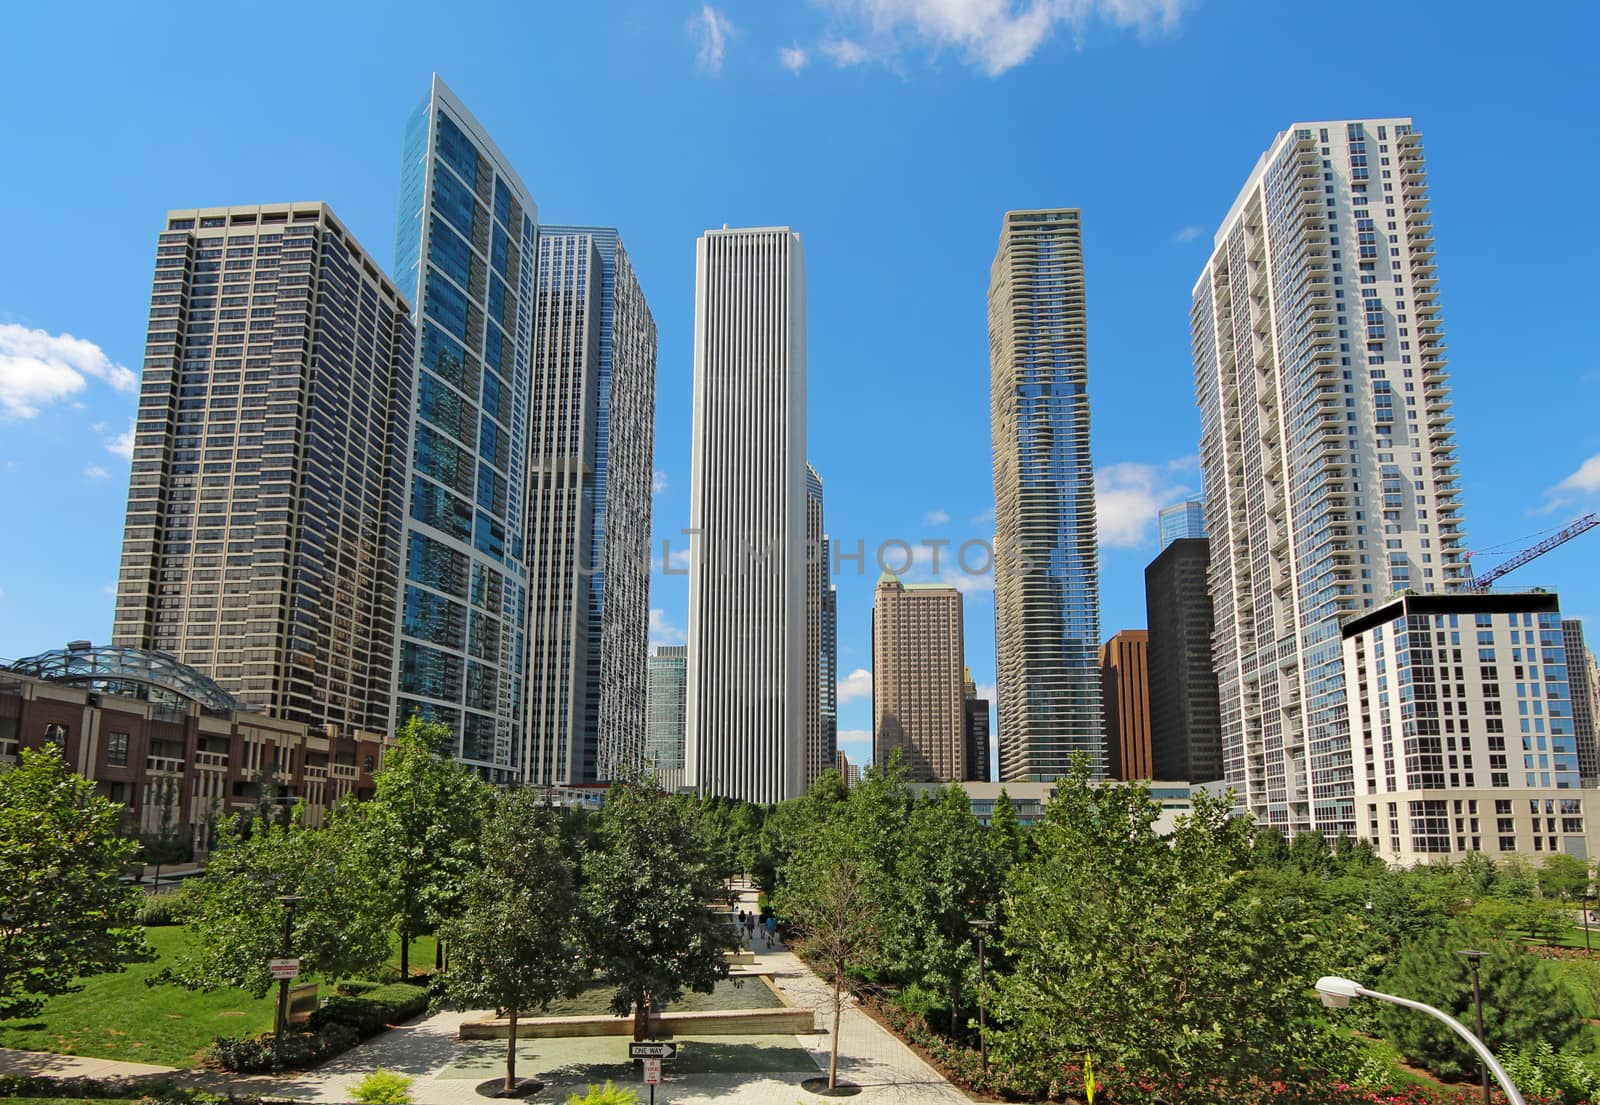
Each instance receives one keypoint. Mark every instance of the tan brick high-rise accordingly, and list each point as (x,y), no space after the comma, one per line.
(918,702)
(1125,685)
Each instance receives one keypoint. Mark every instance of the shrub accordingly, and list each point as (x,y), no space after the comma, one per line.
(383,1087)
(604,1095)
(1542,1071)
(158,910)
(354,987)
(256,1054)
(371,1011)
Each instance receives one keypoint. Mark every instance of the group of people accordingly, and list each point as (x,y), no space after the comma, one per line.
(768,926)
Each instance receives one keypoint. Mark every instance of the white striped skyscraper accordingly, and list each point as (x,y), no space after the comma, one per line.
(746,711)
(1327,444)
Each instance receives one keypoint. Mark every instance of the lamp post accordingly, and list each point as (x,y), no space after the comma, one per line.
(982,927)
(1336,994)
(1477,1005)
(288,901)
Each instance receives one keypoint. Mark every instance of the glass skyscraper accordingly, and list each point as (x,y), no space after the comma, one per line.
(465,252)
(1182,521)
(592,444)
(1047,606)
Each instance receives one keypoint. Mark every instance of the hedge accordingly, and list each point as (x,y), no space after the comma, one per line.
(373,1010)
(258,1054)
(146,1093)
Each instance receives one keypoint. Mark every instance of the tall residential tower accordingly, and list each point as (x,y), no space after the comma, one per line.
(591,439)
(1327,445)
(1047,606)
(746,716)
(822,640)
(263,530)
(464,254)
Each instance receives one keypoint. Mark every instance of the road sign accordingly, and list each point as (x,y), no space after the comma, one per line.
(653,1049)
(283,968)
(652,1071)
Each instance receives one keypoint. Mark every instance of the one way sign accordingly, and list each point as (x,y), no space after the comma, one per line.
(653,1049)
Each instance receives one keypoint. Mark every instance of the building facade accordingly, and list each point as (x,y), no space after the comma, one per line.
(1462,728)
(746,714)
(591,437)
(977,730)
(1182,521)
(1047,613)
(918,699)
(664,724)
(465,251)
(172,745)
(1185,725)
(1581,679)
(1125,683)
(822,639)
(1327,445)
(262,536)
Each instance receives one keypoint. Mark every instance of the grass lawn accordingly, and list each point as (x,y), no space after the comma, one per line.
(119,1017)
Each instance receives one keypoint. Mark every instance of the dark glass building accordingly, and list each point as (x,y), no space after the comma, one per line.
(1185,726)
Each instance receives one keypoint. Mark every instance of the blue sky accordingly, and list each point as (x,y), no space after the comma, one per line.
(892,134)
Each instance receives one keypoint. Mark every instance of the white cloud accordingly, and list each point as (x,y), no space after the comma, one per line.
(858,684)
(38,368)
(986,690)
(1127,498)
(792,58)
(993,35)
(95,472)
(1585,481)
(844,52)
(109,589)
(935,518)
(856,744)
(121,444)
(714,30)
(663,632)
(658,482)
(98,428)
(1187,234)
(984,517)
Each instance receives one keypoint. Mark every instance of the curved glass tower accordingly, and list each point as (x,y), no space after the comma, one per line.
(465,252)
(1047,565)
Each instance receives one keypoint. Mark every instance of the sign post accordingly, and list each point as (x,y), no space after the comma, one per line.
(652,1052)
(283,968)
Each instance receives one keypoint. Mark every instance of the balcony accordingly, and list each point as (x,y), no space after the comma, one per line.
(163,765)
(347,772)
(211,761)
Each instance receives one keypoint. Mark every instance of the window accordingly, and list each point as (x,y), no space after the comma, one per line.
(117,750)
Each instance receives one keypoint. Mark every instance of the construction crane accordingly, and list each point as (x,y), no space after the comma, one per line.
(1533,552)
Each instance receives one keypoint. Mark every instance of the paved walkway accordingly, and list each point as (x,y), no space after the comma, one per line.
(745,1070)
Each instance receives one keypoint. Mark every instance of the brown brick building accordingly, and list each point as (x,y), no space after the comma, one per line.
(152,732)
(1125,687)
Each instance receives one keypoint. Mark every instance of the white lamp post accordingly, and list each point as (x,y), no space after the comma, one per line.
(1336,994)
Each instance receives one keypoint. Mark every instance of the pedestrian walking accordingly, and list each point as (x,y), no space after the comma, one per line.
(750,929)
(772,928)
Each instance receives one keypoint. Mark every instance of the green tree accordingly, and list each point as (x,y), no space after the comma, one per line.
(236,917)
(422,825)
(1007,843)
(645,893)
(1158,955)
(1564,877)
(64,913)
(172,840)
(515,941)
(826,898)
(946,878)
(1523,1001)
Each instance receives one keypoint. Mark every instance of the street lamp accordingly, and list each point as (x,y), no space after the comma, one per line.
(982,927)
(1477,1005)
(1336,994)
(289,901)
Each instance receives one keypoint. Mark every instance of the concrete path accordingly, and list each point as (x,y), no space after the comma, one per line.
(744,1070)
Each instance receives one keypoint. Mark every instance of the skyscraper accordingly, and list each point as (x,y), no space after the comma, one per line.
(591,439)
(1125,684)
(262,542)
(1185,729)
(1326,441)
(977,730)
(746,715)
(465,252)
(1580,675)
(1182,520)
(663,748)
(1047,606)
(918,699)
(822,640)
